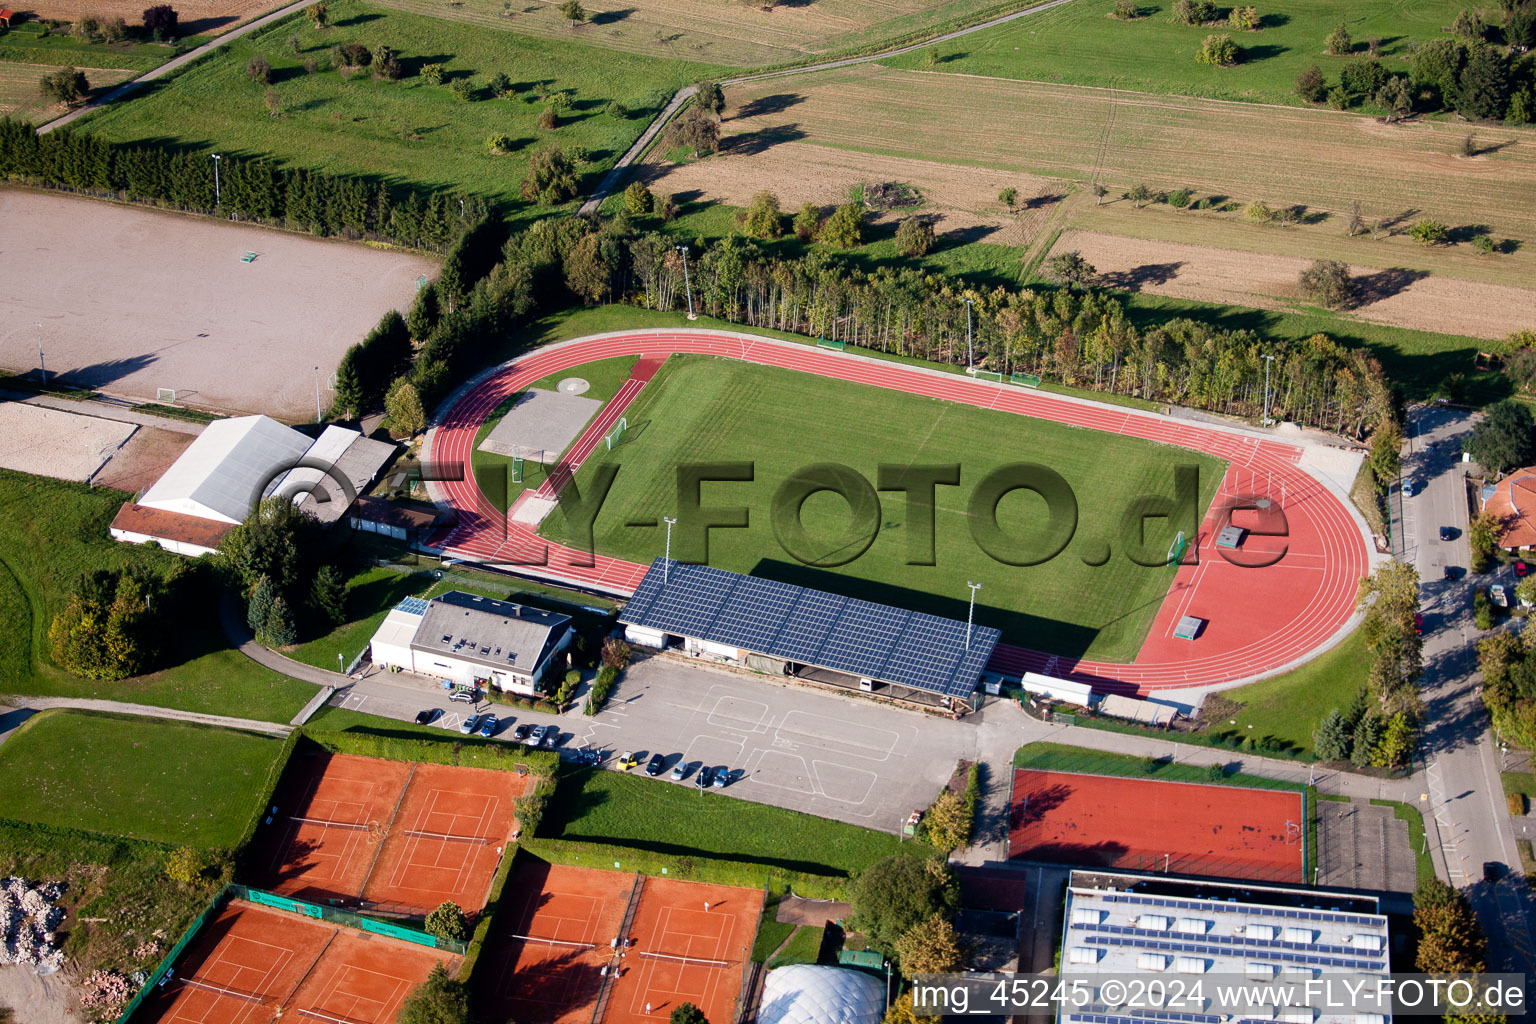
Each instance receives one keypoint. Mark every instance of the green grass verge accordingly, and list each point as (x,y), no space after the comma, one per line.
(493,472)
(351,732)
(1082,44)
(1058,757)
(771,932)
(163,781)
(1286,709)
(176,412)
(1523,783)
(1424,864)
(421,133)
(706,409)
(603,808)
(52,532)
(804,948)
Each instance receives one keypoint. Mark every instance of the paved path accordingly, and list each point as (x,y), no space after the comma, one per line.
(239,636)
(616,173)
(145,710)
(107,410)
(172,66)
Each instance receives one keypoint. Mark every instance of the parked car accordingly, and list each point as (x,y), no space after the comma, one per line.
(462,696)
(1446,533)
(520,733)
(657,763)
(1418,622)
(704,775)
(679,770)
(468,725)
(1450,572)
(1499,595)
(551,736)
(627,760)
(722,776)
(1520,570)
(536,738)
(428,716)
(488,725)
(1411,487)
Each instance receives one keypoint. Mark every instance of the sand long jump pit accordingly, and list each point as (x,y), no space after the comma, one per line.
(134,300)
(52,442)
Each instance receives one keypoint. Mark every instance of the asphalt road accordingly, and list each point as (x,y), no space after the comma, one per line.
(1466,799)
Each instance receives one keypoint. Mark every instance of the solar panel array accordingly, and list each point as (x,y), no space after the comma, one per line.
(413,605)
(1203,906)
(812,627)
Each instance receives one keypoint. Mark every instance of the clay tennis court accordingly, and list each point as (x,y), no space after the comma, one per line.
(550,938)
(1141,824)
(251,964)
(446,839)
(684,953)
(331,813)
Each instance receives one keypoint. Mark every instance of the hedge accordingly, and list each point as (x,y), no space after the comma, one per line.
(719,870)
(464,753)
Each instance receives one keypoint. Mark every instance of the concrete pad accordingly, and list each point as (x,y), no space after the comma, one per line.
(51,442)
(541,425)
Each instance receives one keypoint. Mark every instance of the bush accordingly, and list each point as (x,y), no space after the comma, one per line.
(1516,803)
(1482,609)
(447,921)
(617,110)
(160,21)
(258,70)
(601,684)
(1363,77)
(67,85)
(845,228)
(1193,12)
(386,64)
(1311,86)
(915,236)
(807,222)
(1127,10)
(1326,283)
(1428,232)
(548,119)
(1338,42)
(617,653)
(638,198)
(356,55)
(463,89)
(1259,212)
(1179,198)
(762,218)
(432,74)
(891,896)
(107,629)
(1244,19)
(499,145)
(187,865)
(1008,197)
(1219,51)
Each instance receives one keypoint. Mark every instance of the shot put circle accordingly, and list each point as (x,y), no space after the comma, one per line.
(573,386)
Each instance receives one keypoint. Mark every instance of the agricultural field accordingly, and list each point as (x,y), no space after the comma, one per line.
(29,51)
(19,96)
(145,778)
(1082,43)
(1396,296)
(51,532)
(731,32)
(702,409)
(197,17)
(405,131)
(1321,161)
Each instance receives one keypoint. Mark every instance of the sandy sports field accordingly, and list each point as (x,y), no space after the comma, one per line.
(51,442)
(962,199)
(132,300)
(1401,298)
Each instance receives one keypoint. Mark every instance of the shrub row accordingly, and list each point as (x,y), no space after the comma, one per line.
(464,753)
(719,870)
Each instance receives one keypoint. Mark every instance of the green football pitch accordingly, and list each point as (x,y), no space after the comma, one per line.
(702,409)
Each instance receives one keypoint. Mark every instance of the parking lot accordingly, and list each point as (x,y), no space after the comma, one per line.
(786,745)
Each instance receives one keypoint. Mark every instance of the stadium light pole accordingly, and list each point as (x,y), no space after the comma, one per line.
(970,359)
(666,564)
(684,250)
(42,368)
(1268,359)
(216,199)
(971,612)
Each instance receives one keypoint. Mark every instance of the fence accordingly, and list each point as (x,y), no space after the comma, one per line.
(346,917)
(163,968)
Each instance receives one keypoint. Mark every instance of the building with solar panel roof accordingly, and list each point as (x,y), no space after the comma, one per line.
(1247,944)
(817,637)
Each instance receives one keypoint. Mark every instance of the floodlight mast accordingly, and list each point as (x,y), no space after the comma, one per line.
(970,359)
(1268,359)
(971,612)
(216,199)
(689,287)
(666,563)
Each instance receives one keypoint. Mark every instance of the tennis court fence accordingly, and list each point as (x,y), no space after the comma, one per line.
(336,915)
(152,983)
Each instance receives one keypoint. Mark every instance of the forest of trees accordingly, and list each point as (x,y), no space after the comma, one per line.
(249,190)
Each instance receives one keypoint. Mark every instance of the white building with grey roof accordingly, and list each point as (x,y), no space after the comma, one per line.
(1242,941)
(472,640)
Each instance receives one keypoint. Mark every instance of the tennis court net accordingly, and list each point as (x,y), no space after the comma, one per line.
(674,958)
(223,990)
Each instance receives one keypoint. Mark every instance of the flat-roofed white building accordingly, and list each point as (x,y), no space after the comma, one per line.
(471,639)
(1253,938)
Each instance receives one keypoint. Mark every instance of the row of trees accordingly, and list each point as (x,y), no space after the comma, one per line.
(1081,338)
(275,561)
(251,190)
(1476,79)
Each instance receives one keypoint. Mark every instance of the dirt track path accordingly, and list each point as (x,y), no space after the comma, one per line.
(616,173)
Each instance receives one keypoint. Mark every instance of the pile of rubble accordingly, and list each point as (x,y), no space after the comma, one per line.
(28,916)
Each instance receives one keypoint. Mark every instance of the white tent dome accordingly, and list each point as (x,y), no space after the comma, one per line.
(814,994)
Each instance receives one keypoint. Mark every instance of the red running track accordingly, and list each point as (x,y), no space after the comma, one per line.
(1258,620)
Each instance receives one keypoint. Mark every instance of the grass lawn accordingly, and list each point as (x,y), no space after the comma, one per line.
(600,806)
(1082,44)
(771,932)
(406,131)
(1289,707)
(168,782)
(51,532)
(606,376)
(803,948)
(705,409)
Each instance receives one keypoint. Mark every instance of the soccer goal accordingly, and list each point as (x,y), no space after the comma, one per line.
(985,374)
(1177,548)
(835,346)
(616,435)
(517,469)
